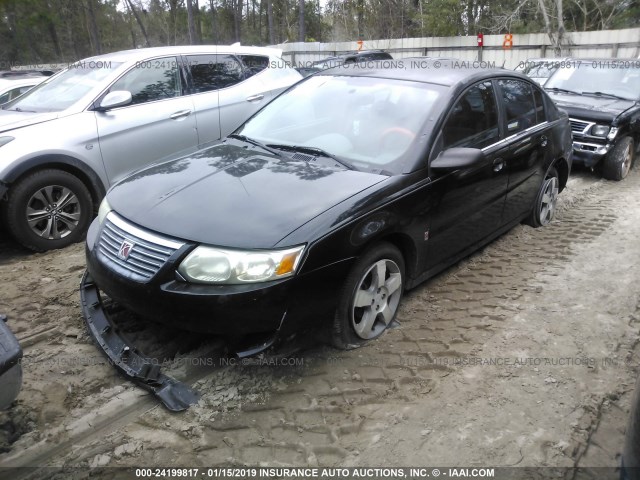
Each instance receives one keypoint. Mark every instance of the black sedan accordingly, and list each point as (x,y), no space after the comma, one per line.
(323,208)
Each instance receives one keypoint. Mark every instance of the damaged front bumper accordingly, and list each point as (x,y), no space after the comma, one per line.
(10,367)
(142,370)
(589,154)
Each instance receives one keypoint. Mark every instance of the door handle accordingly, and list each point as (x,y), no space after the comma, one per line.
(255,98)
(498,164)
(180,114)
(543,141)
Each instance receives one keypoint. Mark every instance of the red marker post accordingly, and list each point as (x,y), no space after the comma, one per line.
(480,45)
(508,41)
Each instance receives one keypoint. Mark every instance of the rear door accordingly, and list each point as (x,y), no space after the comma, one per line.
(242,99)
(527,137)
(472,200)
(159,123)
(225,92)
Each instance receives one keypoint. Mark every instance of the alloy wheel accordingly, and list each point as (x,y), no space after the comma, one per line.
(53,212)
(626,163)
(376,299)
(549,200)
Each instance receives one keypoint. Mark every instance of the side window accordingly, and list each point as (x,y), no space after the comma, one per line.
(541,115)
(213,72)
(21,90)
(519,106)
(552,110)
(473,120)
(254,64)
(12,94)
(152,80)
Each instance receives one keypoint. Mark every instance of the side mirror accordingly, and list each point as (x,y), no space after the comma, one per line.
(456,159)
(115,99)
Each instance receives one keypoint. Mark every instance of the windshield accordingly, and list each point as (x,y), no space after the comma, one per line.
(602,77)
(540,69)
(64,89)
(370,123)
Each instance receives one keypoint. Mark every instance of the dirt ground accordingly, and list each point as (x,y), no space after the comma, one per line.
(522,355)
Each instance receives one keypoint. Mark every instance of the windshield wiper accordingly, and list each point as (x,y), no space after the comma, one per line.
(312,151)
(605,94)
(244,138)
(18,109)
(561,90)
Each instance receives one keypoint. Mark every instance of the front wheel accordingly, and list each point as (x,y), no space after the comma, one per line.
(48,209)
(544,208)
(619,161)
(370,297)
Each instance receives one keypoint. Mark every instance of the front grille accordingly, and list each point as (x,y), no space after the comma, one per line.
(579,126)
(140,253)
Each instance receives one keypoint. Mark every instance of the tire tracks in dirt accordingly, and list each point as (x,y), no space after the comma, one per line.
(339,403)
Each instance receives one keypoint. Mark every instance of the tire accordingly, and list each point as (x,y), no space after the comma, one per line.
(619,161)
(355,325)
(544,208)
(36,219)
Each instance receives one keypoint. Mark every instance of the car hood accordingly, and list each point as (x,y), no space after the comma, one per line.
(10,120)
(233,196)
(591,108)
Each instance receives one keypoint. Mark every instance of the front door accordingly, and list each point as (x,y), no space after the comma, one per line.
(471,200)
(158,124)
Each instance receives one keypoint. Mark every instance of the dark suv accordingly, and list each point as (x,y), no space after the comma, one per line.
(602,97)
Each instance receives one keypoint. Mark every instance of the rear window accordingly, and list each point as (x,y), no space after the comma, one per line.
(213,72)
(254,64)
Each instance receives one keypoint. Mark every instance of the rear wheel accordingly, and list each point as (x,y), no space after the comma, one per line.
(48,209)
(619,161)
(544,208)
(370,297)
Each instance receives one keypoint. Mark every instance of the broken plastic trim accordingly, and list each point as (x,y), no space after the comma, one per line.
(10,367)
(142,370)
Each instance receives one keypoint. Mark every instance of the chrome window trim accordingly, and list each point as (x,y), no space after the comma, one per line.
(523,133)
(143,234)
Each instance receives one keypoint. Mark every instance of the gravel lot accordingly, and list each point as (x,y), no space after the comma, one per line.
(522,355)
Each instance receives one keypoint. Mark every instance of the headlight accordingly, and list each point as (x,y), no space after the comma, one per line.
(5,140)
(220,266)
(104,209)
(600,130)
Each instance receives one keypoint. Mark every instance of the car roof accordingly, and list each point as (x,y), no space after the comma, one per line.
(143,53)
(547,59)
(587,59)
(447,73)
(22,80)
(353,54)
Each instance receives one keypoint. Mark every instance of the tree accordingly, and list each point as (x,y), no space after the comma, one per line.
(301,36)
(140,24)
(193,34)
(272,37)
(555,32)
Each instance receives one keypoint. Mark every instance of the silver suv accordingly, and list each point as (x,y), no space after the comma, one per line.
(65,142)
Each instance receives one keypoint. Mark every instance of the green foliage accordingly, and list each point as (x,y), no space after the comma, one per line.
(48,31)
